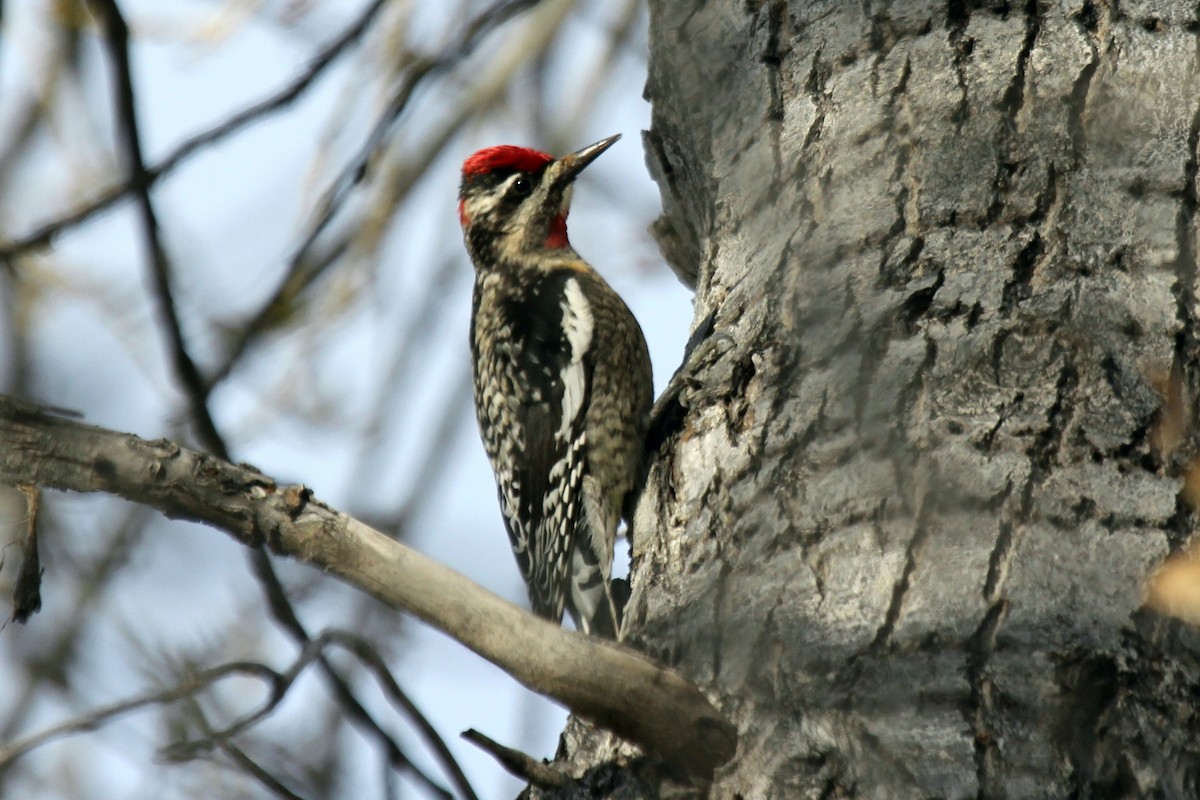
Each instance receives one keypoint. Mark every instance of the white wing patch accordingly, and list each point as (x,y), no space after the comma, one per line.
(577,324)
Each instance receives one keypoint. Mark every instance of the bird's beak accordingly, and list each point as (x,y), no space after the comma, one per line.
(567,168)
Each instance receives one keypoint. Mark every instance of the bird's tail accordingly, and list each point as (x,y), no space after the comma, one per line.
(590,601)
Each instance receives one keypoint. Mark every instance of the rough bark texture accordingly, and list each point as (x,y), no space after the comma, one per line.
(902,529)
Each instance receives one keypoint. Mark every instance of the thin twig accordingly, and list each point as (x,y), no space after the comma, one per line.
(522,765)
(255,770)
(241,760)
(370,656)
(89,722)
(116,35)
(303,270)
(285,615)
(255,112)
(314,652)
(62,648)
(280,684)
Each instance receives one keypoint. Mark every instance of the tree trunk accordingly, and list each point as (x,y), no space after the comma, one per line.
(925,468)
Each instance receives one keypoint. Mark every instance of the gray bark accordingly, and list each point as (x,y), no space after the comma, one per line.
(901,532)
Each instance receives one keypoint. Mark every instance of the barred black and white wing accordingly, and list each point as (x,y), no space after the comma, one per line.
(533,388)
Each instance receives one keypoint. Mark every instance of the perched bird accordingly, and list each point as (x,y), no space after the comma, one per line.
(562,379)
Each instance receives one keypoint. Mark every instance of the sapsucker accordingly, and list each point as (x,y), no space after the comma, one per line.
(562,379)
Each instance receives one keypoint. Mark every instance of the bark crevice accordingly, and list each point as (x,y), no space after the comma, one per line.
(1187,343)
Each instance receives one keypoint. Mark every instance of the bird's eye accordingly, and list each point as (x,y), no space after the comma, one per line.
(522,185)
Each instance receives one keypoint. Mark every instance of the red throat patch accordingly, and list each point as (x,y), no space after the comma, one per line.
(463,219)
(557,237)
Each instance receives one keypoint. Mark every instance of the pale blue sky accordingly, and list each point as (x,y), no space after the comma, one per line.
(296,406)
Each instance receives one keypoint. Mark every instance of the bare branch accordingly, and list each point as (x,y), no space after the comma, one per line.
(61,648)
(89,722)
(304,268)
(285,615)
(314,650)
(258,772)
(366,653)
(606,683)
(522,765)
(278,101)
(116,36)
(279,683)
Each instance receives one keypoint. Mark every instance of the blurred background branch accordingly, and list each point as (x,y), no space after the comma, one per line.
(274,271)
